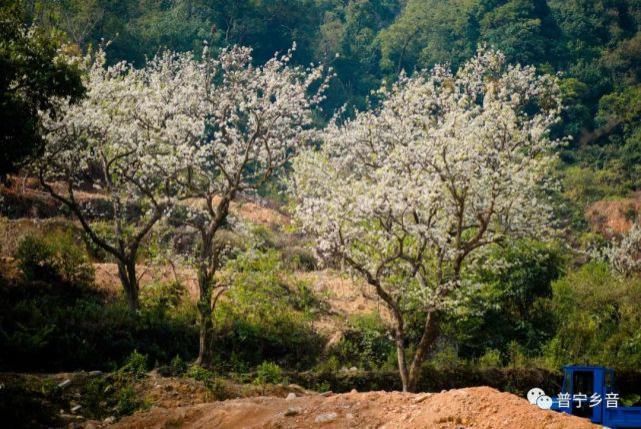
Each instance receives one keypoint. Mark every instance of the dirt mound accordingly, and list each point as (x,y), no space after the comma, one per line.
(478,407)
(614,216)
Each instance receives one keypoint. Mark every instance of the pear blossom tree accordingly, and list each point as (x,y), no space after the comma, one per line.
(255,119)
(624,253)
(121,140)
(410,193)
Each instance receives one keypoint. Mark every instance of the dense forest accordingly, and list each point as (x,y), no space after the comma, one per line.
(249,285)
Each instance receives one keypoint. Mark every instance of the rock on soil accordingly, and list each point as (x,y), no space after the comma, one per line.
(477,407)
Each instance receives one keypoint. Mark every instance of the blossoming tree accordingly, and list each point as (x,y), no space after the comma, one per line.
(121,140)
(624,253)
(256,118)
(408,194)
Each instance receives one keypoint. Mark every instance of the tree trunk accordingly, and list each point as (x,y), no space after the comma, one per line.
(430,334)
(205,322)
(400,355)
(208,264)
(127,274)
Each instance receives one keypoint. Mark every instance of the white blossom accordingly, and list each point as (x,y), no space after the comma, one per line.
(624,253)
(447,164)
(121,140)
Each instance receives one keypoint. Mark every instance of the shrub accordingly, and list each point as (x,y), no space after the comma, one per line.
(163,296)
(365,344)
(268,372)
(597,313)
(55,257)
(299,258)
(511,303)
(102,229)
(490,359)
(71,325)
(199,373)
(330,364)
(136,365)
(261,319)
(23,406)
(178,366)
(36,259)
(216,386)
(98,395)
(128,401)
(445,356)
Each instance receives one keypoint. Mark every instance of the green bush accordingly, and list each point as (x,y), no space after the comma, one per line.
(597,315)
(178,366)
(512,303)
(199,373)
(102,229)
(491,359)
(216,386)
(299,258)
(128,401)
(163,296)
(54,257)
(36,259)
(514,380)
(268,372)
(261,317)
(365,345)
(74,325)
(135,365)
(95,395)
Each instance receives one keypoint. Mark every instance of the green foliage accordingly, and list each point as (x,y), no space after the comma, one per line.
(585,185)
(94,396)
(521,29)
(53,258)
(24,407)
(214,384)
(512,305)
(72,326)
(444,357)
(298,258)
(164,297)
(129,401)
(30,74)
(268,372)
(515,380)
(491,359)
(199,373)
(36,259)
(598,319)
(430,32)
(102,229)
(587,316)
(178,365)
(595,44)
(366,345)
(136,365)
(262,317)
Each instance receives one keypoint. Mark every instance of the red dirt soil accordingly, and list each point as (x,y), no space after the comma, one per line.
(613,216)
(477,407)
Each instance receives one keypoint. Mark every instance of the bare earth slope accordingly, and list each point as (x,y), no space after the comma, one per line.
(478,407)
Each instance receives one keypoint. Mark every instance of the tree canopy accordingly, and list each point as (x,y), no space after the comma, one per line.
(32,72)
(595,45)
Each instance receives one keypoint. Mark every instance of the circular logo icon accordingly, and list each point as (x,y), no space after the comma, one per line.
(544,402)
(534,394)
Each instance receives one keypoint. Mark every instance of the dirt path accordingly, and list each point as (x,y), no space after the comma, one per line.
(478,407)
